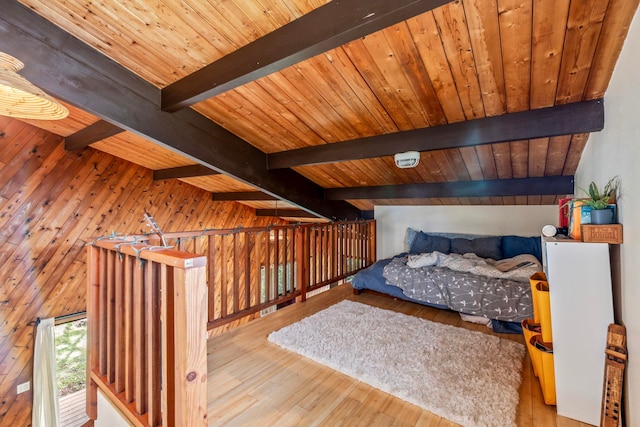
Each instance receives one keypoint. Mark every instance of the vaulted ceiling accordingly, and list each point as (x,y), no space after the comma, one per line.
(287,104)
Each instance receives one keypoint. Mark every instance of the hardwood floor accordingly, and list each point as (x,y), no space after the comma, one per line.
(254,382)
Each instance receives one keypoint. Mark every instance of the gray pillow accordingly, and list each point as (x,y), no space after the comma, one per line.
(485,247)
(424,243)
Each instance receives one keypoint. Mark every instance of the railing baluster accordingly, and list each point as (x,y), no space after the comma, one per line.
(111,337)
(152,311)
(139,343)
(129,330)
(119,339)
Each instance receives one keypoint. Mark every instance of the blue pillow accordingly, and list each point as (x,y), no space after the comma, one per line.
(424,243)
(517,245)
(485,247)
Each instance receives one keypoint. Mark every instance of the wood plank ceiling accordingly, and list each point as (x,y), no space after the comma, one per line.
(463,61)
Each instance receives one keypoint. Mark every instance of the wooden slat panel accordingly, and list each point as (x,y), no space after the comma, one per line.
(57,202)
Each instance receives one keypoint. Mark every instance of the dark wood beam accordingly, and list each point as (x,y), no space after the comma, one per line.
(183,172)
(93,133)
(320,30)
(288,213)
(245,196)
(76,73)
(548,185)
(568,119)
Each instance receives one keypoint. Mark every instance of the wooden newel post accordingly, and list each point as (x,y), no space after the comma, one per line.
(184,330)
(93,304)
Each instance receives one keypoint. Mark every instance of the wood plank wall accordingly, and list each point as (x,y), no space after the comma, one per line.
(52,203)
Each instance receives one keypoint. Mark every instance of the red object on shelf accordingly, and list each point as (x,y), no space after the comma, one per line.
(564,206)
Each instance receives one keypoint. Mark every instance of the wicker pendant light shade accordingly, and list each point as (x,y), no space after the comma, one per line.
(19,98)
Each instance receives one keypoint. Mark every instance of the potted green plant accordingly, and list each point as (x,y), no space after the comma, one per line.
(600,201)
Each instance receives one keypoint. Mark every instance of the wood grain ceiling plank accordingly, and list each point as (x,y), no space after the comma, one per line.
(395,77)
(484,33)
(361,57)
(556,155)
(583,29)
(433,167)
(520,158)
(502,159)
(319,115)
(238,112)
(320,75)
(119,37)
(321,102)
(487,161)
(197,14)
(402,44)
(534,200)
(159,25)
(130,147)
(429,44)
(509,200)
(471,162)
(323,29)
(457,45)
(578,142)
(538,149)
(358,85)
(614,31)
(549,27)
(447,170)
(218,183)
(241,196)
(515,32)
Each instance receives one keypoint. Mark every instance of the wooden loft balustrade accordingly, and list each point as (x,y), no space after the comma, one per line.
(147,317)
(252,269)
(149,306)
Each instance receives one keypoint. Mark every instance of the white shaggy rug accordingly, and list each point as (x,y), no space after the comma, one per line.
(465,376)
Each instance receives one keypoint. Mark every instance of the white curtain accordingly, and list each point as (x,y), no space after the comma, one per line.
(45,385)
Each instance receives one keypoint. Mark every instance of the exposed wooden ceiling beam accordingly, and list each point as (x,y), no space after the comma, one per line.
(93,133)
(288,213)
(74,72)
(183,172)
(320,30)
(245,196)
(548,185)
(568,119)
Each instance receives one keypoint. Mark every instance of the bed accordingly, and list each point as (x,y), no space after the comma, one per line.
(481,277)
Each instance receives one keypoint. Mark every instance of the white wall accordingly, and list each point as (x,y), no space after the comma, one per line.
(392,222)
(616,151)
(108,415)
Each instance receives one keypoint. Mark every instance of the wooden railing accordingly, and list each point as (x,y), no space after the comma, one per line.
(251,269)
(147,317)
(149,306)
